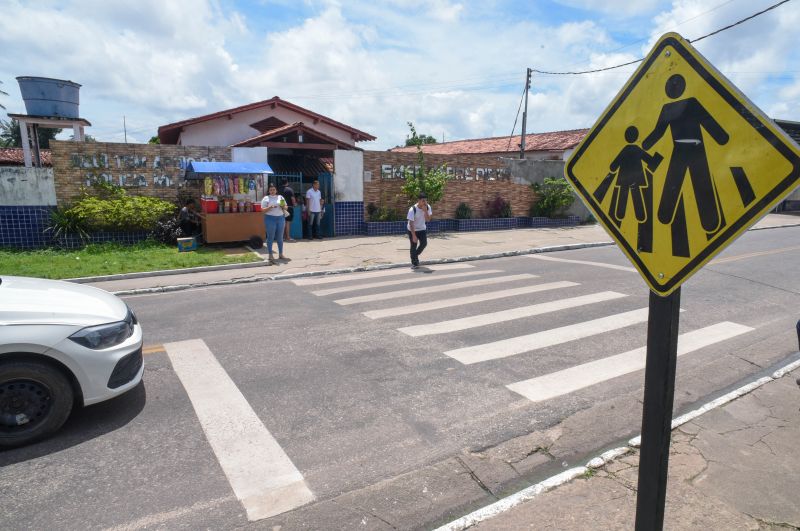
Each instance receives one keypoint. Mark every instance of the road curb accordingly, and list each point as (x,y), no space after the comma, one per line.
(249,265)
(359,269)
(165,272)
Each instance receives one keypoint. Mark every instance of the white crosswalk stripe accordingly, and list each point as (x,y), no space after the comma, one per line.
(402,281)
(466,300)
(475,307)
(349,277)
(454,325)
(434,289)
(260,473)
(583,262)
(581,376)
(546,338)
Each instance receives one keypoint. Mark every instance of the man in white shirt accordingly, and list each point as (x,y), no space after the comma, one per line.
(418,215)
(314,206)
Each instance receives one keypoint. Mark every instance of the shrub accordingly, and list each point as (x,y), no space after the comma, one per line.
(167,230)
(498,208)
(389,214)
(463,211)
(64,223)
(372,211)
(121,213)
(554,196)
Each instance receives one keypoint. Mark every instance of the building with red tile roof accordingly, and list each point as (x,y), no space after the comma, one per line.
(14,157)
(246,123)
(552,145)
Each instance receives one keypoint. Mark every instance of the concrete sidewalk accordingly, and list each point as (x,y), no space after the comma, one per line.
(358,252)
(734,466)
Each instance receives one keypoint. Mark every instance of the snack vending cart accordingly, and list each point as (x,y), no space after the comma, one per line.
(231,200)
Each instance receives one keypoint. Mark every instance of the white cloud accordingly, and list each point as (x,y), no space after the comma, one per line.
(453,68)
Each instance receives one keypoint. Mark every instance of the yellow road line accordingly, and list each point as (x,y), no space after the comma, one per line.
(753,255)
(153,349)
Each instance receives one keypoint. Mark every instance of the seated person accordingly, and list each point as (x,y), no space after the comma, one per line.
(189,219)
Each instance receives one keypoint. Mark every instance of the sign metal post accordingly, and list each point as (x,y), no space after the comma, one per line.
(659,389)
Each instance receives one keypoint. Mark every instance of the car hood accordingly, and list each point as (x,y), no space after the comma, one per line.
(26,300)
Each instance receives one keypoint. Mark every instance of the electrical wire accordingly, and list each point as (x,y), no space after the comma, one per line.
(642,59)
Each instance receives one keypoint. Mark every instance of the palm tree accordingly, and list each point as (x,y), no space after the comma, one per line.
(10,135)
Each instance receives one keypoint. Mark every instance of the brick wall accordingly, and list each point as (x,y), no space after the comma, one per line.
(144,169)
(478,178)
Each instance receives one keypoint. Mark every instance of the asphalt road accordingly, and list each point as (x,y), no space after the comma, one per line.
(388,422)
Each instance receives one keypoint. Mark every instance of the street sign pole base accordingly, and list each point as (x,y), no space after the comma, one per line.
(659,391)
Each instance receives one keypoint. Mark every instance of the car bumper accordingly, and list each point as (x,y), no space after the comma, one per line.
(104,374)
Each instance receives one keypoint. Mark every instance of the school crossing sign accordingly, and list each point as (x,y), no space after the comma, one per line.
(680,164)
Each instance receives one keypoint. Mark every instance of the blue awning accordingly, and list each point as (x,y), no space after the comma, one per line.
(198,170)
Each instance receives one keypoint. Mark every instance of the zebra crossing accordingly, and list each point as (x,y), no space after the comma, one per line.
(394,294)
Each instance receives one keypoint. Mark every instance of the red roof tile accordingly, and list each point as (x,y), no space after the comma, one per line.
(15,157)
(553,141)
(313,135)
(169,133)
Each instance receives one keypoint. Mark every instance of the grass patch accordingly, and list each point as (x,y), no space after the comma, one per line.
(112,258)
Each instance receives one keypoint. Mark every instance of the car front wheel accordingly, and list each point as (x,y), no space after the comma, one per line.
(35,400)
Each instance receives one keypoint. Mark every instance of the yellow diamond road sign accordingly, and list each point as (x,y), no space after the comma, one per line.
(680,164)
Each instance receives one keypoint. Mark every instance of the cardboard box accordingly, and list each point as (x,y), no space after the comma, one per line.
(187,244)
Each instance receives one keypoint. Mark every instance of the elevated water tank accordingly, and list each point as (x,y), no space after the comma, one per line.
(44,96)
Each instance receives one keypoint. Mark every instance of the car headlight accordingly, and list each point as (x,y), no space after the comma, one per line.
(106,335)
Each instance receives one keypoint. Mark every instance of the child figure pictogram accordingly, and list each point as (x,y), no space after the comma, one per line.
(631,174)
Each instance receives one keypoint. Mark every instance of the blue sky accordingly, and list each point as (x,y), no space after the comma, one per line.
(456,69)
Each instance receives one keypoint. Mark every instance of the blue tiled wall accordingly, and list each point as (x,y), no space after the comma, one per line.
(349,218)
(23,226)
(469,225)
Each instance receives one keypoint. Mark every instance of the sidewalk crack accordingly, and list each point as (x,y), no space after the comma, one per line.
(475,478)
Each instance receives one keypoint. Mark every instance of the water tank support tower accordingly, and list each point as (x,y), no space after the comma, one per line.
(49,103)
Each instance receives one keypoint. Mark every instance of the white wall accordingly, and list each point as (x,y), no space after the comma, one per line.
(226,131)
(27,186)
(249,154)
(348,177)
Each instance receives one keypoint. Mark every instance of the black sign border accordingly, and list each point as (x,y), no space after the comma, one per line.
(730,233)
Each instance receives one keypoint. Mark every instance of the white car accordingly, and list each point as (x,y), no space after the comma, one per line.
(61,344)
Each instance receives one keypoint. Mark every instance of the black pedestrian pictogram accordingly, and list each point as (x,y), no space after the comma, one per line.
(631,174)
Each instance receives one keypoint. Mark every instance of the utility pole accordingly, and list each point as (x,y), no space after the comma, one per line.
(125,128)
(525,113)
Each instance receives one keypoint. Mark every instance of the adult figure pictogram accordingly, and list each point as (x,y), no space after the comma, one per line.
(687,118)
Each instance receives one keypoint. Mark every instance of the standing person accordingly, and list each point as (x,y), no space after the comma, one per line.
(288,195)
(273,206)
(314,206)
(418,215)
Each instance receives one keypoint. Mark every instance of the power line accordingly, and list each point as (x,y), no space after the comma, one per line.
(642,59)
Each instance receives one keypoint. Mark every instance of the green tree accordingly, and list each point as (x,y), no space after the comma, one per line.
(418,140)
(154,140)
(10,135)
(421,179)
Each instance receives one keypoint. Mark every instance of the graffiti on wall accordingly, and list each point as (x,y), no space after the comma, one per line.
(132,171)
(389,171)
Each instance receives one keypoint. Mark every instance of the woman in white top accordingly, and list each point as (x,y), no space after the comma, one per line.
(274,206)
